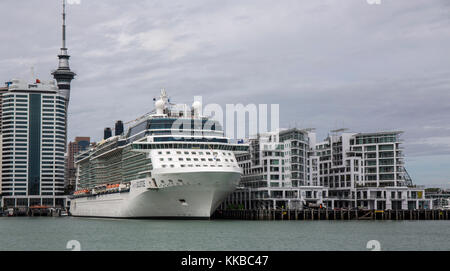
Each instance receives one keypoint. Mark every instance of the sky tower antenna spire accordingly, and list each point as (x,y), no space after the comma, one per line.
(64,25)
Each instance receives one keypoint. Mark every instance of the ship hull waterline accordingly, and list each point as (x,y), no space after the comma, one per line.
(196,197)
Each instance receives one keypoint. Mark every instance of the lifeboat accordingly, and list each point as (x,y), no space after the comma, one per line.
(81,192)
(112,187)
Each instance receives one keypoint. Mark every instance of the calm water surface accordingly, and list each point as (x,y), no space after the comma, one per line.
(48,233)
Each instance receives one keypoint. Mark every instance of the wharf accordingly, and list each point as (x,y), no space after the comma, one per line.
(324,214)
(34,211)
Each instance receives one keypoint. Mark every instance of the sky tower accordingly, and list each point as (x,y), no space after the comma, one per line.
(63,75)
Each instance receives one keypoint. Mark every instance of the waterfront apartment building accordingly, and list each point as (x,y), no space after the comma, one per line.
(78,145)
(34,131)
(290,169)
(275,173)
(364,170)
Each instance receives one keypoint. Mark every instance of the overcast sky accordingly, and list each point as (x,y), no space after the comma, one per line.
(328,63)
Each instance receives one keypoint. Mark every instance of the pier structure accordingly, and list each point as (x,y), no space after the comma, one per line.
(327,214)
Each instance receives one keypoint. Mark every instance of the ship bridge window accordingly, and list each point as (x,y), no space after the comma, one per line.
(138,129)
(163,124)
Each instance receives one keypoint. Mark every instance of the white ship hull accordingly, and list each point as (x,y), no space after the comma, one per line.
(197,196)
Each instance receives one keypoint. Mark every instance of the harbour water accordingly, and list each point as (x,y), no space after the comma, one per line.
(53,233)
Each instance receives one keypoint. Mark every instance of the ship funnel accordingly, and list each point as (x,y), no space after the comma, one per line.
(118,128)
(107,133)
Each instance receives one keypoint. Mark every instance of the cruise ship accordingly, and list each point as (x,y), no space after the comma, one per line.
(171,163)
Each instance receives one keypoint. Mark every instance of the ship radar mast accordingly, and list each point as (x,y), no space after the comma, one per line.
(161,104)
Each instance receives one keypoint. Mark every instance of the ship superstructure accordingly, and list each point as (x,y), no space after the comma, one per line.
(171,162)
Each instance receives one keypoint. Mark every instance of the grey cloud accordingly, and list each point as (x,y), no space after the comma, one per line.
(327,63)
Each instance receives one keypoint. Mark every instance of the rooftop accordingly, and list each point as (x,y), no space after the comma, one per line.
(20,85)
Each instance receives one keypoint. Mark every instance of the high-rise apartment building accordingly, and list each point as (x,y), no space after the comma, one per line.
(34,131)
(2,90)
